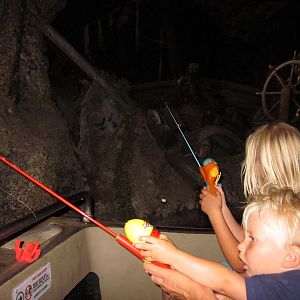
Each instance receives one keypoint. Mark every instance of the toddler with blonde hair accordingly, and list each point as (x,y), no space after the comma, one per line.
(270,252)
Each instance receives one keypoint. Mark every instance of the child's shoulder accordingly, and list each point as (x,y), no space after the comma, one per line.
(274,286)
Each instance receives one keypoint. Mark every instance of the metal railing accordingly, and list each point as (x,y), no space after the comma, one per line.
(9,231)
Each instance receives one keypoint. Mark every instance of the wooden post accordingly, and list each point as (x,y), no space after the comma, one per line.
(70,51)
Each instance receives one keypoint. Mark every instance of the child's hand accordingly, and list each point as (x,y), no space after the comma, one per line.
(176,285)
(210,203)
(157,249)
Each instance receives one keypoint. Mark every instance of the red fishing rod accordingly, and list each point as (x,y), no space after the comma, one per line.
(122,240)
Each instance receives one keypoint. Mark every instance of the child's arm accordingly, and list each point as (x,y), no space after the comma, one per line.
(234,226)
(212,206)
(209,273)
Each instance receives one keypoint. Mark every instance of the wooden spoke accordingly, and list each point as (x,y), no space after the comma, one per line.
(281,104)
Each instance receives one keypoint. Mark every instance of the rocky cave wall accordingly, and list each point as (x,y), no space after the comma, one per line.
(33,134)
(74,135)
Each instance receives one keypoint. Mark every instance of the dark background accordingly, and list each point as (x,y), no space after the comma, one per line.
(230,40)
(80,137)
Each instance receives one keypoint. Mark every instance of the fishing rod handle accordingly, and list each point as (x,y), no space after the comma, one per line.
(124,242)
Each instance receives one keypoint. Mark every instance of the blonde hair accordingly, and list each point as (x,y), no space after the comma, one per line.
(272,156)
(279,210)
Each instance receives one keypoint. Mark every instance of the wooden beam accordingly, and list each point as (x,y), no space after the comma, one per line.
(71,52)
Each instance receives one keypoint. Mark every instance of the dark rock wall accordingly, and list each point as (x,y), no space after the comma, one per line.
(33,134)
(74,135)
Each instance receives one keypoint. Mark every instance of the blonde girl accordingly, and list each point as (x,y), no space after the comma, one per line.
(272,156)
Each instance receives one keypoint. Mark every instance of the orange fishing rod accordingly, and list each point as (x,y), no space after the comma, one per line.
(122,240)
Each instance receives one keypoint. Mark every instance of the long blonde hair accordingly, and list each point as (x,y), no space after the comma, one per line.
(272,157)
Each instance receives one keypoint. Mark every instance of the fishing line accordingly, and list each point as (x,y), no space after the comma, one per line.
(14,197)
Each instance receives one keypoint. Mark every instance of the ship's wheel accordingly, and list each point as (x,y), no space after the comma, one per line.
(281,92)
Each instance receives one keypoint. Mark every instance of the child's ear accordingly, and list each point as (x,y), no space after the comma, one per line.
(292,257)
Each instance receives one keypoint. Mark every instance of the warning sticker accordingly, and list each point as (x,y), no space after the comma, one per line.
(34,286)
